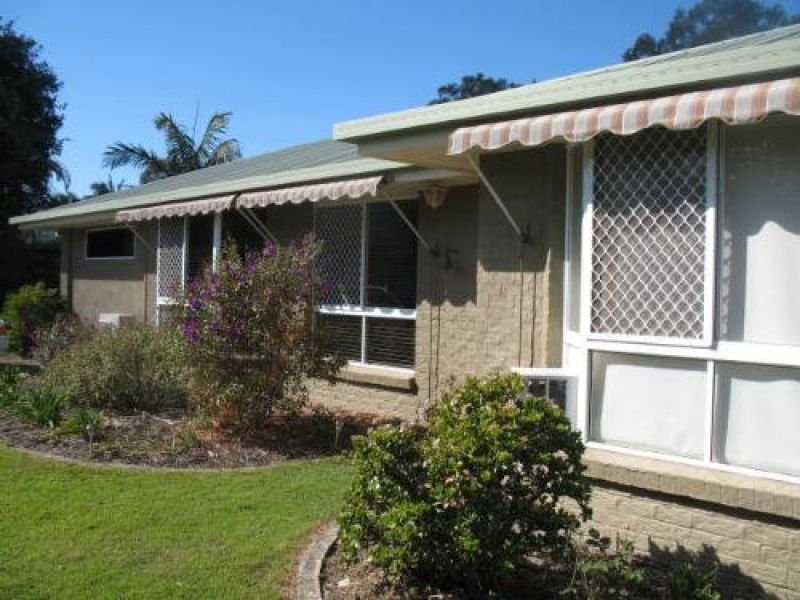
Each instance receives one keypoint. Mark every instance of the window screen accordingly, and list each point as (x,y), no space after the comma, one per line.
(648,234)
(109,243)
(237,230)
(170,257)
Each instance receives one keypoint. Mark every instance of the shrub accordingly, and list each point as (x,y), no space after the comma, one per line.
(86,422)
(603,573)
(29,308)
(9,385)
(464,503)
(250,335)
(47,342)
(43,407)
(689,581)
(128,368)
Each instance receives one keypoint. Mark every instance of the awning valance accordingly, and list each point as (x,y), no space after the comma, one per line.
(350,188)
(179,209)
(737,105)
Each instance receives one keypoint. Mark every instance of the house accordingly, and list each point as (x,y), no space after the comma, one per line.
(626,238)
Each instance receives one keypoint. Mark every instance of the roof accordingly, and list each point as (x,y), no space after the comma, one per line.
(317,161)
(749,58)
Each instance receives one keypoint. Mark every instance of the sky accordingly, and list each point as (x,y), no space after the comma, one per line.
(288,70)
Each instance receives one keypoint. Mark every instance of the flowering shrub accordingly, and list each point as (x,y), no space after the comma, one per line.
(462,504)
(250,335)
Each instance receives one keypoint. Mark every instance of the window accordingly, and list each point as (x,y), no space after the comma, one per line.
(649,235)
(109,243)
(650,403)
(672,369)
(369,261)
(170,258)
(200,249)
(760,238)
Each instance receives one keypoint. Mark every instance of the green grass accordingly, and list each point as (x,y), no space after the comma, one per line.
(70,531)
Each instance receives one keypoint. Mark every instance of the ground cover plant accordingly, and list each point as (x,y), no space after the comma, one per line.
(87,532)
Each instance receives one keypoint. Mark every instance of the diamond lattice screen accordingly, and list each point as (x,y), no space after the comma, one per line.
(339,229)
(648,234)
(170,257)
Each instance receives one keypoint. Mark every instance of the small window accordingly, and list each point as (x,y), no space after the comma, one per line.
(109,243)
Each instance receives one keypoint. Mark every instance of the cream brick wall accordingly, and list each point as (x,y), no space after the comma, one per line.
(361,399)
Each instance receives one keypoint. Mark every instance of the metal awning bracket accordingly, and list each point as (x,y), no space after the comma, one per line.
(140,237)
(523,235)
(257,224)
(433,250)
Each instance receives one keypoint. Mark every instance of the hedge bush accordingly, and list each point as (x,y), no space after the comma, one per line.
(461,504)
(27,309)
(128,368)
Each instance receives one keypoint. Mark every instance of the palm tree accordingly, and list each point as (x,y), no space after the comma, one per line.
(100,188)
(184,154)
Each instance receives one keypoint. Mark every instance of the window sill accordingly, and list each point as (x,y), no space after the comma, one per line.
(732,490)
(395,379)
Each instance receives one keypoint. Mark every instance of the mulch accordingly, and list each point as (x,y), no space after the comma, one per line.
(173,440)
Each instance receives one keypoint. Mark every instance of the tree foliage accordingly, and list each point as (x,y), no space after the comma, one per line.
(30,117)
(184,152)
(710,21)
(471,86)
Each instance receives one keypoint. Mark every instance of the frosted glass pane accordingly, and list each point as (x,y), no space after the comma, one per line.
(757,421)
(648,403)
(760,244)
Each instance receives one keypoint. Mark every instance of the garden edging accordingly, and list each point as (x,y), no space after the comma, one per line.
(307,584)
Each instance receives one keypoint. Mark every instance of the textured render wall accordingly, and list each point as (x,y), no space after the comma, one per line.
(117,286)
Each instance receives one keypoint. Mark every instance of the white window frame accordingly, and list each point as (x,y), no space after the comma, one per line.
(110,228)
(711,350)
(361,310)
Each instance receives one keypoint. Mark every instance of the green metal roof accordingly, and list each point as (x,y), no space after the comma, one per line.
(318,161)
(749,58)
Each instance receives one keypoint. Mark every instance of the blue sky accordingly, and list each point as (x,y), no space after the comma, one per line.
(289,70)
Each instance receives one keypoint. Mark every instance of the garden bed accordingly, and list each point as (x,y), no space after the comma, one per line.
(173,440)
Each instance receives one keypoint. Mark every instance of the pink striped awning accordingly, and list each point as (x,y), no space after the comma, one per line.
(351,188)
(734,105)
(179,209)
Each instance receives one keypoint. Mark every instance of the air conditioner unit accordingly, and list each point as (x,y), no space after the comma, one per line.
(557,385)
(113,320)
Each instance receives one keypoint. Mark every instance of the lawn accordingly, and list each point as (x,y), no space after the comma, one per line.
(70,531)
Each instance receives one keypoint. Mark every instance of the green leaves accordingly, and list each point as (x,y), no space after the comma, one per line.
(463,502)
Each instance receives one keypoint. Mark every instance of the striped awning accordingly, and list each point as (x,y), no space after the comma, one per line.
(335,190)
(733,105)
(179,209)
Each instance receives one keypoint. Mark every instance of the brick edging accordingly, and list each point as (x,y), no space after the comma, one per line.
(307,584)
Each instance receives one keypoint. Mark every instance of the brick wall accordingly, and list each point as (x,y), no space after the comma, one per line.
(362,399)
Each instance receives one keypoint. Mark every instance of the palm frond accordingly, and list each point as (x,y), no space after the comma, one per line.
(134,155)
(216,128)
(224,152)
(180,145)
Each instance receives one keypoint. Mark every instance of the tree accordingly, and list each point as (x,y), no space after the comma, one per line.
(471,86)
(184,153)
(710,21)
(100,188)
(30,117)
